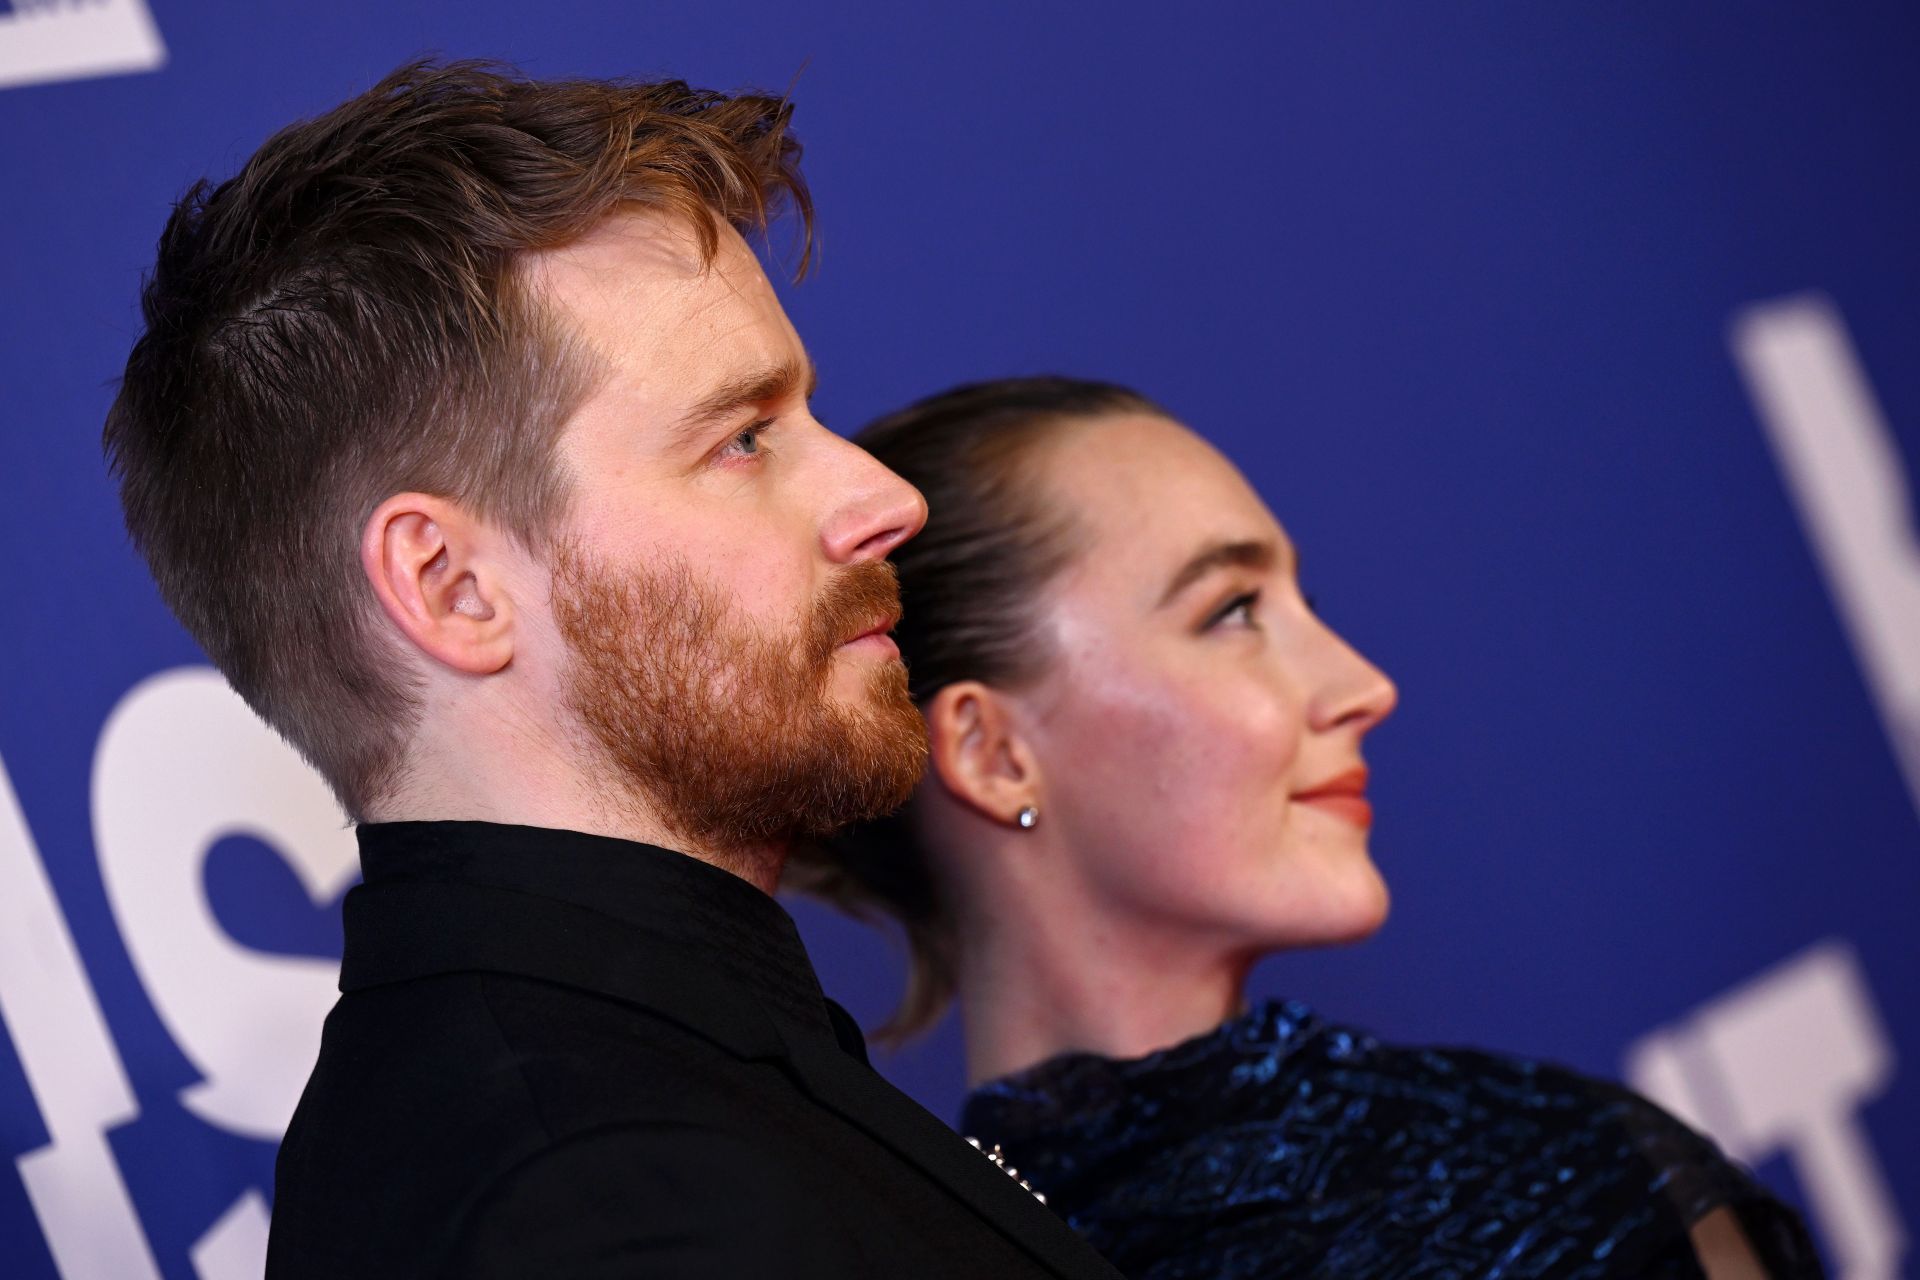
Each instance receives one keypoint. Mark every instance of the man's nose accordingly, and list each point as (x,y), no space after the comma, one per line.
(877,511)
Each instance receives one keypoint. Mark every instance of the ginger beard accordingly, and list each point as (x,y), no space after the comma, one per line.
(727,731)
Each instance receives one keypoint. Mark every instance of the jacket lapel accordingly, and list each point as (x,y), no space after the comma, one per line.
(403,930)
(863,1098)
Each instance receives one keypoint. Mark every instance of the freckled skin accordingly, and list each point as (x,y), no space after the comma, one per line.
(1170,756)
(769,528)
(1170,740)
(1179,747)
(761,505)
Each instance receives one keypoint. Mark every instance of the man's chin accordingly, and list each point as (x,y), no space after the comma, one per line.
(865,681)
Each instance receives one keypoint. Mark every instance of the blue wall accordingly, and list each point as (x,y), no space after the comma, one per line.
(1461,288)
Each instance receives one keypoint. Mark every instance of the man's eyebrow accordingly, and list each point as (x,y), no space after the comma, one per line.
(757,386)
(1245,554)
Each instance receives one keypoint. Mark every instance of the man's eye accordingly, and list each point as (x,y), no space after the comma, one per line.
(747,442)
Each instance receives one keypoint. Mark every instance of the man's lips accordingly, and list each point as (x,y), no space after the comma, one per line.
(878,631)
(1344,795)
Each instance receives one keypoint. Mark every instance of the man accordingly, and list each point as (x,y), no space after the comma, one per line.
(468,438)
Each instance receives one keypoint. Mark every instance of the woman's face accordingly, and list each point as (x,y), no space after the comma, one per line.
(1198,729)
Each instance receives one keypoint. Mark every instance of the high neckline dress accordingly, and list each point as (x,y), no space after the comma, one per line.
(1283,1145)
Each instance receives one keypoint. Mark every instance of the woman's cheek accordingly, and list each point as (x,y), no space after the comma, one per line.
(1265,725)
(1239,740)
(1122,760)
(1243,750)
(1197,770)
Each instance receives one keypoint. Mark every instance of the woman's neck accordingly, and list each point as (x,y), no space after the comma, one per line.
(1029,992)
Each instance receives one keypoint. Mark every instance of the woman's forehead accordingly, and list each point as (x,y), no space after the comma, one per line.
(1148,494)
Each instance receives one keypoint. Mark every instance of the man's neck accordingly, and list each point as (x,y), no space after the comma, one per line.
(506,778)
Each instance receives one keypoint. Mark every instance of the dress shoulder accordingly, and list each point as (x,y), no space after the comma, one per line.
(1285,1145)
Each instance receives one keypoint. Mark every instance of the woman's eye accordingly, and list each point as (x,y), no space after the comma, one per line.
(1240,609)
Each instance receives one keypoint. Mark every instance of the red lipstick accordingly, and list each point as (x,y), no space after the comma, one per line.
(1343,795)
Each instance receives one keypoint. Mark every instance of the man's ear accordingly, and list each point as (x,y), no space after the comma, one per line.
(434,571)
(978,752)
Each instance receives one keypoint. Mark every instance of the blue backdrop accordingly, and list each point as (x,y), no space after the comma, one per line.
(1573,345)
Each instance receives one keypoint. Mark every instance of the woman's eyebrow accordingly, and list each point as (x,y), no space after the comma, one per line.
(1245,554)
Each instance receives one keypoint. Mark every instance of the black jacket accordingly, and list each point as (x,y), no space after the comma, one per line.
(561,1055)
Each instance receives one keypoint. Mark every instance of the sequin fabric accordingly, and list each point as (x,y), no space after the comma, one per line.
(1281,1145)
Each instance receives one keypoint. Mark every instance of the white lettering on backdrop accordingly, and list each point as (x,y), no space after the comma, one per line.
(181,763)
(1784,1063)
(45,40)
(72,1068)
(1844,472)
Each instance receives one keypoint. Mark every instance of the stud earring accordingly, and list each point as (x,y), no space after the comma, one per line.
(1028,817)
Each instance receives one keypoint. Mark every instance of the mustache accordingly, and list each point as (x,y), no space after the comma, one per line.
(862,595)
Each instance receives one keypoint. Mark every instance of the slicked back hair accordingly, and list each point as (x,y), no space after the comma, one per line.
(345,319)
(971,587)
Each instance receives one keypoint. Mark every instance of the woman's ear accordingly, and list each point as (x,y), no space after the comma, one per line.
(979,754)
(433,571)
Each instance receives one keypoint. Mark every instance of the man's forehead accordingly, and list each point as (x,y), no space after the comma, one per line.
(630,239)
(638,290)
(642,261)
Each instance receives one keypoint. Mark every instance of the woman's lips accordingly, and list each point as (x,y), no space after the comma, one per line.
(1344,796)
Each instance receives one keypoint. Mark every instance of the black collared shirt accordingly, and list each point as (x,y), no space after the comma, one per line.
(562,1055)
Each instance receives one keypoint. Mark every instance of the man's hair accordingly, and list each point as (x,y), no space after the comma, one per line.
(971,585)
(346,319)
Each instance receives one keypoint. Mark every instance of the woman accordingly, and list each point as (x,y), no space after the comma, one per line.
(1146,773)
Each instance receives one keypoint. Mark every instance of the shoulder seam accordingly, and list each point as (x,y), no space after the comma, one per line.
(519,1069)
(464,1219)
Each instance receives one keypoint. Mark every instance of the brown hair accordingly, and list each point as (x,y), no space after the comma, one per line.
(344,320)
(969,583)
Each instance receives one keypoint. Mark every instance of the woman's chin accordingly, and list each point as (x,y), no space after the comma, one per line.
(1368,922)
(1357,910)
(1345,908)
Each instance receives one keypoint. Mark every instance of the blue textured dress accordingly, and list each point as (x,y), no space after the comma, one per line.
(1283,1145)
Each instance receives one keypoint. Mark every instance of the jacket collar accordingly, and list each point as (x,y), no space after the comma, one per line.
(647,900)
(659,897)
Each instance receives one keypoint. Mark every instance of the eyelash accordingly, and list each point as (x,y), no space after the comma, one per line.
(754,430)
(1245,600)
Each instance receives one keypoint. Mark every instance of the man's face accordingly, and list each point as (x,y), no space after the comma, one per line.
(720,586)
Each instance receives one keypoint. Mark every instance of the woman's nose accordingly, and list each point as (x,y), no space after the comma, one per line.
(1353,693)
